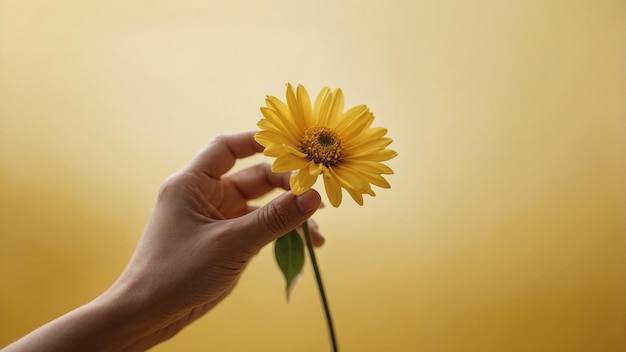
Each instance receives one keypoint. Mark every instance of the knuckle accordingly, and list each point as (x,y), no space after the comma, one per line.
(173,185)
(168,187)
(218,139)
(275,218)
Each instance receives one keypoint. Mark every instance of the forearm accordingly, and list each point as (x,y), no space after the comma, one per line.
(105,324)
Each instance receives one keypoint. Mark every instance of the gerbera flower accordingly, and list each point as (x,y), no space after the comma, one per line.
(324,140)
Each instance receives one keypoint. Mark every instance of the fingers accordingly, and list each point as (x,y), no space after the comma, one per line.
(257,180)
(316,235)
(281,215)
(221,152)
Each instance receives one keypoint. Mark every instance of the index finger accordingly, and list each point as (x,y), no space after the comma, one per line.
(220,154)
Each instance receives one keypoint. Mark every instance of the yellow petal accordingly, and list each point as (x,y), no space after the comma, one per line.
(301,181)
(336,108)
(272,117)
(350,179)
(283,113)
(333,188)
(287,162)
(315,169)
(374,133)
(263,138)
(281,123)
(331,108)
(356,187)
(372,152)
(367,142)
(305,105)
(274,150)
(267,137)
(321,99)
(293,151)
(372,145)
(368,166)
(354,121)
(295,108)
(382,155)
(266,125)
(358,197)
(376,180)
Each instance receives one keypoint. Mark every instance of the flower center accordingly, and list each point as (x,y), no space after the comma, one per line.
(322,145)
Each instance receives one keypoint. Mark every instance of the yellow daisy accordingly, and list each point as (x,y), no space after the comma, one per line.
(324,140)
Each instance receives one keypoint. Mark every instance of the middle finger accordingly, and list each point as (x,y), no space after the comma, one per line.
(257,180)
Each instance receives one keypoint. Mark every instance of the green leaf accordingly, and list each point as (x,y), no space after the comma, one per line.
(289,253)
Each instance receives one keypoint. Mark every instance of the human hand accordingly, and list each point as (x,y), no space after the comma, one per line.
(201,235)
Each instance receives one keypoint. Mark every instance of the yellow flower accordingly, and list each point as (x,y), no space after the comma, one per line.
(325,140)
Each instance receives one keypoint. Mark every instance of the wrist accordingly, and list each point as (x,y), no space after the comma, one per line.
(127,317)
(104,324)
(120,326)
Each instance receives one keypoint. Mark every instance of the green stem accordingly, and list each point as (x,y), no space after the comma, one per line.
(318,277)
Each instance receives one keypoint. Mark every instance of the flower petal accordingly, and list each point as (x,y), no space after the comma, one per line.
(305,105)
(364,148)
(295,108)
(368,166)
(284,115)
(266,125)
(274,150)
(287,162)
(335,109)
(315,168)
(322,96)
(293,151)
(330,108)
(377,180)
(373,133)
(267,137)
(350,179)
(358,197)
(281,123)
(369,145)
(333,187)
(354,121)
(301,181)
(382,155)
(272,117)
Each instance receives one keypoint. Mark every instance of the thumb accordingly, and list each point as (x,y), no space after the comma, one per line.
(276,218)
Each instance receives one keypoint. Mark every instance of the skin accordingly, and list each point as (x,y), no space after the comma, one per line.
(199,238)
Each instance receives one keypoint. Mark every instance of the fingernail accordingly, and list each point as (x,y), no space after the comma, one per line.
(308,201)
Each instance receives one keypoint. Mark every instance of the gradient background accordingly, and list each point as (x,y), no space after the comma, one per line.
(504,229)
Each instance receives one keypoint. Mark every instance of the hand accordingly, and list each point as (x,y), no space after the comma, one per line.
(202,233)
(200,236)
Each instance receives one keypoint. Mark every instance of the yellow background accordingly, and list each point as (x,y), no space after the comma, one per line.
(504,229)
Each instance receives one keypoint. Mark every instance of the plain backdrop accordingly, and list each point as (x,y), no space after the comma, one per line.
(504,229)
